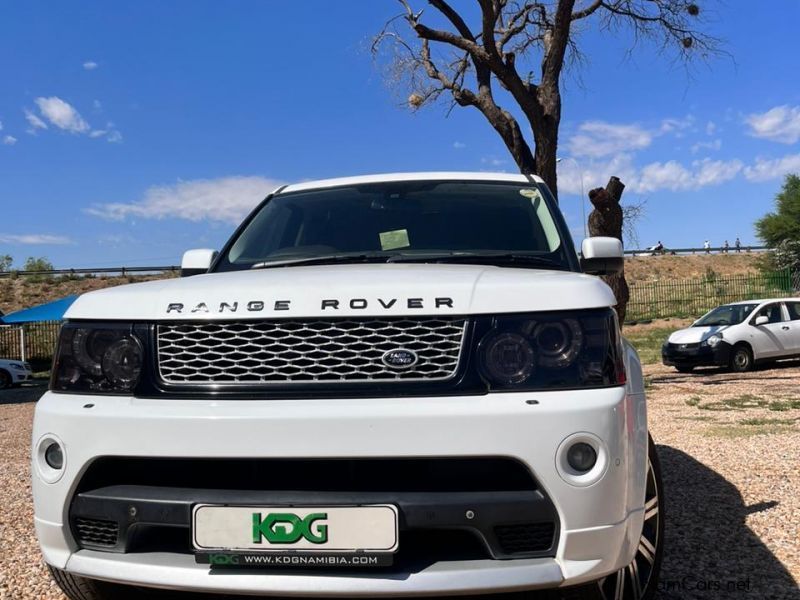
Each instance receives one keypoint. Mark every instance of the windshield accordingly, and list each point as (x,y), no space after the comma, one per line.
(731,314)
(415,220)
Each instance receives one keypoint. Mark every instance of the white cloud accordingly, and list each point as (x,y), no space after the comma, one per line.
(114,136)
(459,145)
(676,126)
(227,199)
(711,127)
(779,124)
(653,177)
(764,169)
(714,172)
(34,121)
(493,161)
(90,65)
(670,175)
(34,239)
(9,140)
(712,145)
(597,139)
(62,114)
(576,176)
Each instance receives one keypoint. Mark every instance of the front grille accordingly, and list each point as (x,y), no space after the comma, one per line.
(298,351)
(94,532)
(530,537)
(691,346)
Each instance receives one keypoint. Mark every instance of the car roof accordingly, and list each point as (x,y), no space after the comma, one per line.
(415,176)
(762,301)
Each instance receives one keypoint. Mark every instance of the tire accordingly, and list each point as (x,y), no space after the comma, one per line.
(5,379)
(639,580)
(741,359)
(684,369)
(76,587)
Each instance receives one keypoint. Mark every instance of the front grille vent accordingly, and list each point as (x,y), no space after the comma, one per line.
(94,532)
(308,351)
(528,537)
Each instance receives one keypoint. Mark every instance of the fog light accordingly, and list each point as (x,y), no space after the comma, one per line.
(54,456)
(581,457)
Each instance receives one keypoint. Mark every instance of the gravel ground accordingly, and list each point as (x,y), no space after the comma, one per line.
(729,451)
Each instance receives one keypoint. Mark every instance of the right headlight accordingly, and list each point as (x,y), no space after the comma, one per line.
(552,350)
(102,359)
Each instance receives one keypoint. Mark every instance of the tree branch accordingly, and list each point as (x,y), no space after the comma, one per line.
(452,16)
(556,45)
(582,14)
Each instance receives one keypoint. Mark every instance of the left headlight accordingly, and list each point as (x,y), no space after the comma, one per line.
(713,340)
(17,366)
(100,359)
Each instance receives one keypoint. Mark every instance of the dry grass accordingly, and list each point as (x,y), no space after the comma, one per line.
(692,266)
(21,292)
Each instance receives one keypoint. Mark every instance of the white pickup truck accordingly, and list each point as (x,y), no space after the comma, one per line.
(389,385)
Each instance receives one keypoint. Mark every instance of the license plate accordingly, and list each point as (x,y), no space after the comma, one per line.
(292,530)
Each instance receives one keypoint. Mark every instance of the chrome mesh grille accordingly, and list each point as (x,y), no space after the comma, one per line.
(297,351)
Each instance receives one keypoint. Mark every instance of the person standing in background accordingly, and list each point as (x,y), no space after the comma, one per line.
(707,247)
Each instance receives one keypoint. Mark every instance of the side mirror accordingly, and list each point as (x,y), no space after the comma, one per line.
(761,320)
(601,256)
(197,262)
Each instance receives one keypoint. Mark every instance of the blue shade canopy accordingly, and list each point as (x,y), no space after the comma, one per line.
(51,311)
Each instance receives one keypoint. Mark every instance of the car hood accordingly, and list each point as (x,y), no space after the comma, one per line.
(346,290)
(695,335)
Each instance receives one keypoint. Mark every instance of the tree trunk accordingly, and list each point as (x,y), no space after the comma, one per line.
(544,125)
(606,220)
(546,144)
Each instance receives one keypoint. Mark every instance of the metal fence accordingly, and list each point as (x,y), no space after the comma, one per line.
(92,271)
(31,341)
(694,297)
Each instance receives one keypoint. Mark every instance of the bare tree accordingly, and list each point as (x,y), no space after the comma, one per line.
(465,62)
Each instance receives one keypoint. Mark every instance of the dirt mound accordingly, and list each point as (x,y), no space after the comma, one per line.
(690,266)
(24,292)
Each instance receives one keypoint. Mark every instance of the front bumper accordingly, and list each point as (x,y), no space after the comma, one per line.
(21,376)
(599,523)
(696,355)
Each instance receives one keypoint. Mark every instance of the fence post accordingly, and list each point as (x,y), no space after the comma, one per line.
(22,343)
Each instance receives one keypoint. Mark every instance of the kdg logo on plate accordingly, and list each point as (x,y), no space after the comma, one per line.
(288,528)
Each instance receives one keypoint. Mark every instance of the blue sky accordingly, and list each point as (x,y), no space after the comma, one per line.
(132,131)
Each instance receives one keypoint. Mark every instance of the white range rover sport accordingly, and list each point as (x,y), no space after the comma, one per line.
(390,385)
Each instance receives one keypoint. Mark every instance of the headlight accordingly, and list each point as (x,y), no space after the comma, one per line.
(99,359)
(713,340)
(17,366)
(508,358)
(552,350)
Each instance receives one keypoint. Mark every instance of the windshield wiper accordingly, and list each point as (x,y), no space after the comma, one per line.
(481,258)
(325,259)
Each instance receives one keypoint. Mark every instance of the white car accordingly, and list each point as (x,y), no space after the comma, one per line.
(390,385)
(14,372)
(737,336)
